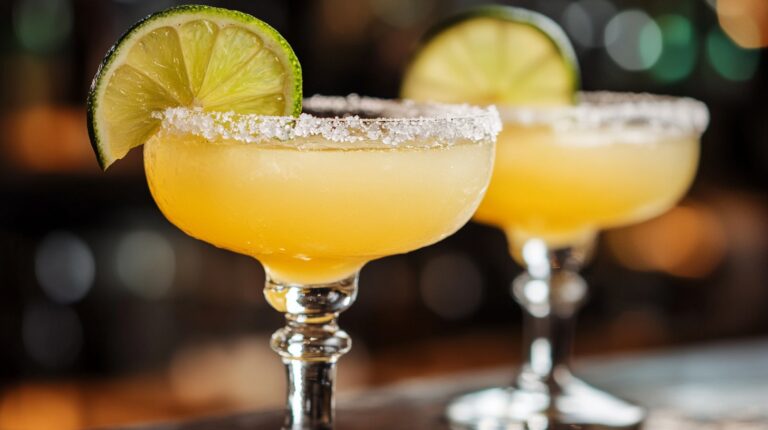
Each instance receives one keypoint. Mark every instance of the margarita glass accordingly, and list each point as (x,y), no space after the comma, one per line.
(316,197)
(562,174)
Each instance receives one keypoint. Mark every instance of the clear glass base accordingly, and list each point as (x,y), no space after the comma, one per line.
(576,406)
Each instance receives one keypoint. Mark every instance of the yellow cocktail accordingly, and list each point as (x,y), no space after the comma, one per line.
(568,165)
(563,186)
(215,95)
(317,215)
(316,197)
(561,175)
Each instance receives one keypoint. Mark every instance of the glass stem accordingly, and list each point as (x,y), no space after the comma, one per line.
(310,344)
(310,394)
(551,292)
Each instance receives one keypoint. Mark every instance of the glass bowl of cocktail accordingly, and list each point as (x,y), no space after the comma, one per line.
(568,165)
(215,98)
(561,176)
(316,197)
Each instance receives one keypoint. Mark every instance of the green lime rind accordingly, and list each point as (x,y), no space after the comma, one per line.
(270,36)
(542,24)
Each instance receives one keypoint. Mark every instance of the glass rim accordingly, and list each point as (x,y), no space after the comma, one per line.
(615,110)
(344,119)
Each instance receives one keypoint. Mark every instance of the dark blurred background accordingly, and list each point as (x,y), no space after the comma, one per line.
(108,314)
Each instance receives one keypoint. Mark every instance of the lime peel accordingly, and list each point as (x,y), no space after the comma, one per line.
(494,55)
(189,56)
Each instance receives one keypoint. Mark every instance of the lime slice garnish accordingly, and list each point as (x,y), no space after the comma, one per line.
(191,56)
(494,55)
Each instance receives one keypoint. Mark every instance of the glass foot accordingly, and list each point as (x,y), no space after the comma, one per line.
(578,406)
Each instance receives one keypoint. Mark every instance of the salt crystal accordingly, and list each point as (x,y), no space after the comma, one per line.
(629,117)
(392,122)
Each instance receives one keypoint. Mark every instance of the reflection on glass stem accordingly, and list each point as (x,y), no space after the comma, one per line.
(310,344)
(551,292)
(545,396)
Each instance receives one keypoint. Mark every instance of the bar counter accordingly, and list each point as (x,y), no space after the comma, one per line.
(713,387)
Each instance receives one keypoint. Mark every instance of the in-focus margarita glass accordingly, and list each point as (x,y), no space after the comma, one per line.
(316,197)
(561,175)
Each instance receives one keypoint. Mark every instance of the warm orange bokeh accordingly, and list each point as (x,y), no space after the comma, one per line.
(745,21)
(688,241)
(76,405)
(22,408)
(48,139)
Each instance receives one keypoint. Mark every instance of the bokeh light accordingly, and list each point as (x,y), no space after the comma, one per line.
(679,49)
(650,44)
(146,263)
(578,23)
(688,241)
(42,406)
(42,26)
(52,335)
(728,59)
(744,21)
(64,267)
(215,372)
(451,285)
(600,12)
(633,40)
(46,138)
(585,21)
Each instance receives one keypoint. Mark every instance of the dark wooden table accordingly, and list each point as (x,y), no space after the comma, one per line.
(712,387)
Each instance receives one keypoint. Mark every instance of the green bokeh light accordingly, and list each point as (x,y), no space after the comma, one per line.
(633,40)
(650,41)
(728,59)
(680,49)
(42,26)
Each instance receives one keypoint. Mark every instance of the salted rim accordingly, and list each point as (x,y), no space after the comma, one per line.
(392,122)
(616,111)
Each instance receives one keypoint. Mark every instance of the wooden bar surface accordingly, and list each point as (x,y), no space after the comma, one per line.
(727,379)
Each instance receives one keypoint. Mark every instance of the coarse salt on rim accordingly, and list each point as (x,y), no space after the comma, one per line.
(350,119)
(616,112)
